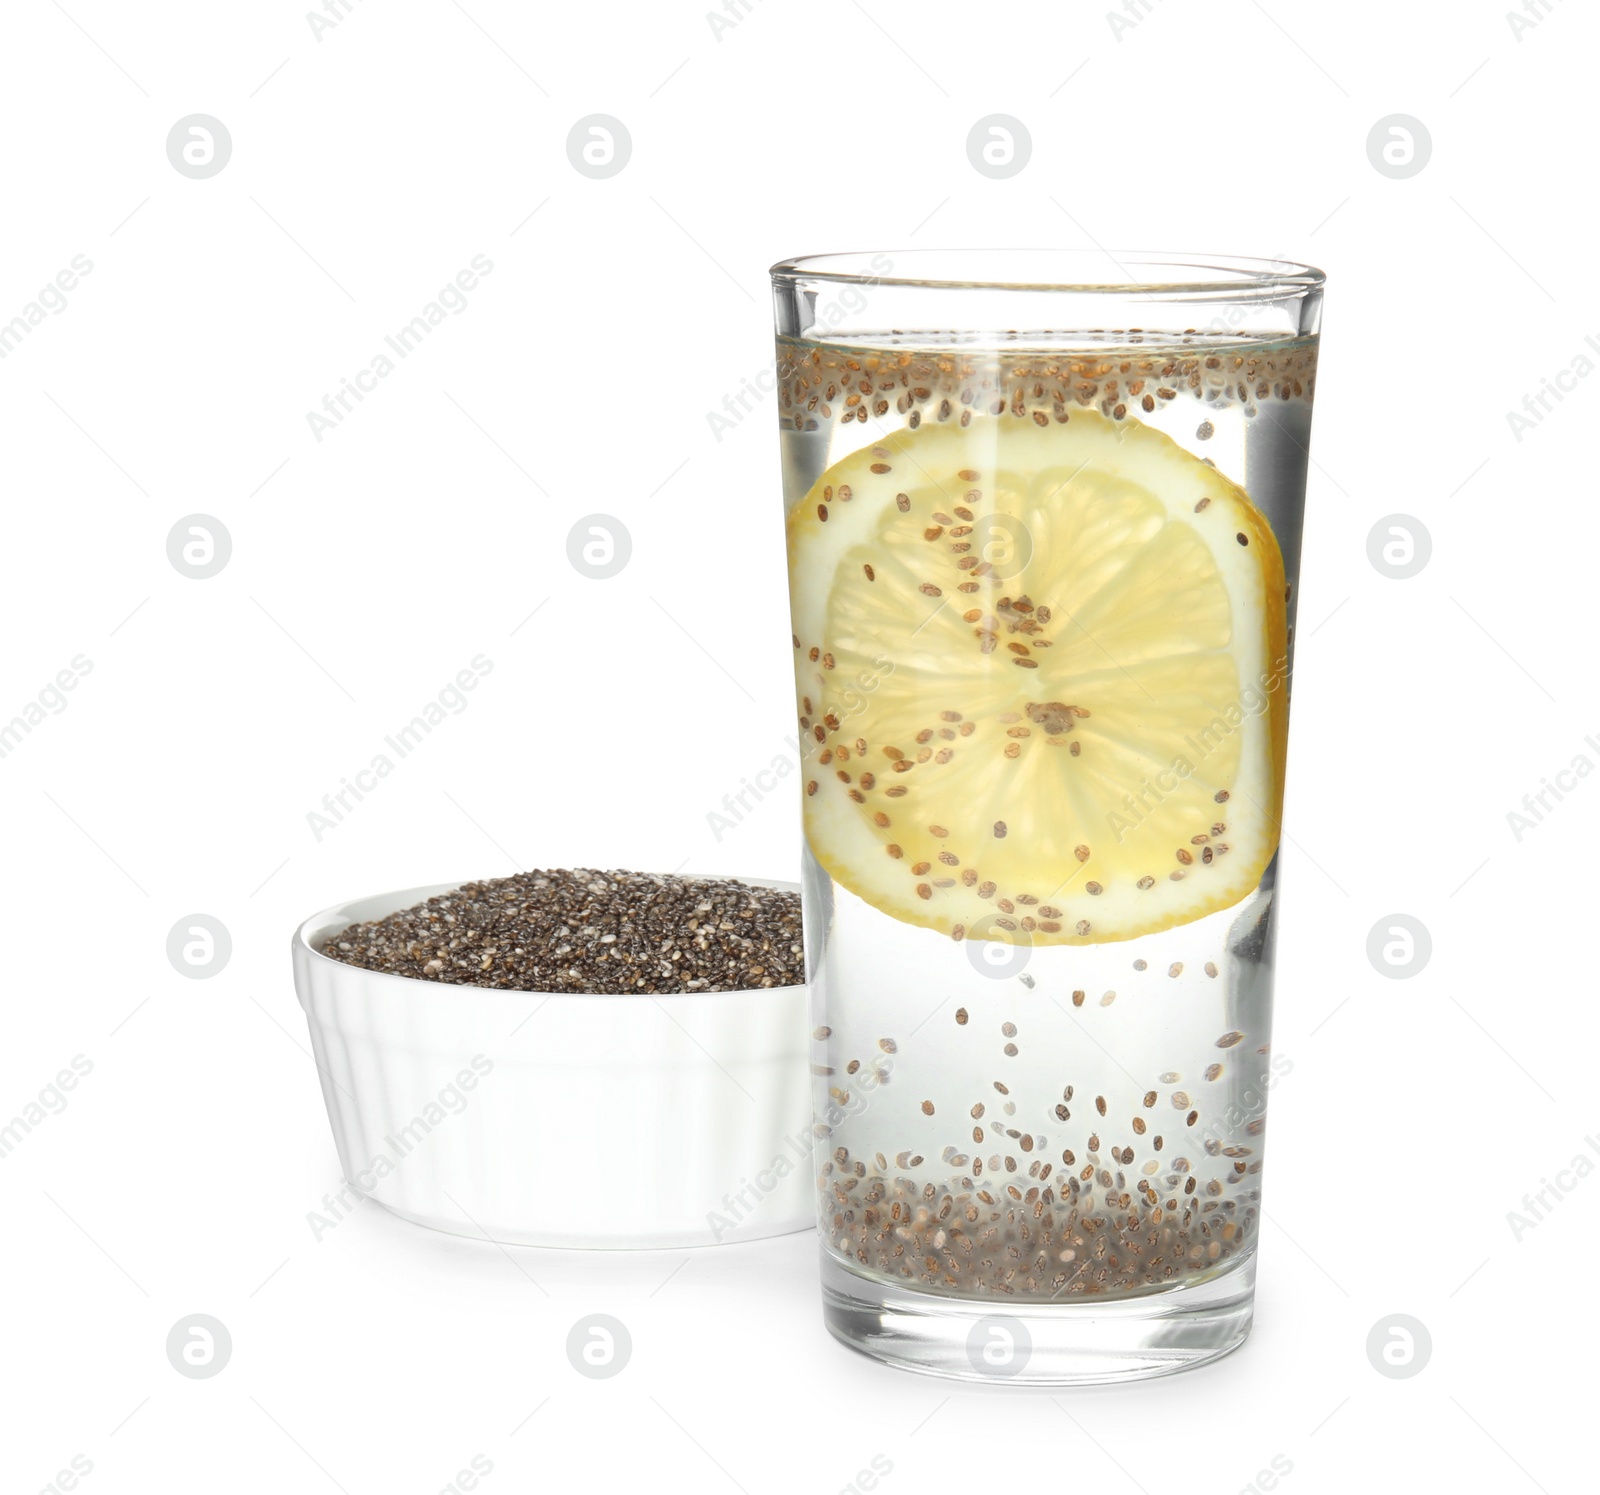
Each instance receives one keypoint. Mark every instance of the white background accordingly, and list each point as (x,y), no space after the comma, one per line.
(368,167)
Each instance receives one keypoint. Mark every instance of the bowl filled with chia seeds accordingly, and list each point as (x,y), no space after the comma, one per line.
(568,1058)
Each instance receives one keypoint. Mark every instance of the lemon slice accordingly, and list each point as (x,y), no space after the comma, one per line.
(1042,675)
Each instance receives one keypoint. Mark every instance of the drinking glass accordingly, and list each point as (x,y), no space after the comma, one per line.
(1044,523)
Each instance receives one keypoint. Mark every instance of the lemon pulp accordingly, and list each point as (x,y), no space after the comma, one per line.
(1042,675)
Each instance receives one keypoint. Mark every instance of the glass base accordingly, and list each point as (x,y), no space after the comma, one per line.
(1039,1344)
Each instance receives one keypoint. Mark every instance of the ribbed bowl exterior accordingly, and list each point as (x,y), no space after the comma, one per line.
(555,1120)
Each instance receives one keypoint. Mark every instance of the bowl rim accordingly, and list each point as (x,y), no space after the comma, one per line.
(403,898)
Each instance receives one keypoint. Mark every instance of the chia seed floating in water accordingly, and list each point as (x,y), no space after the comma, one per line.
(583,931)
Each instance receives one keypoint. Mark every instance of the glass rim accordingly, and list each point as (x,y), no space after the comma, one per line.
(1170,274)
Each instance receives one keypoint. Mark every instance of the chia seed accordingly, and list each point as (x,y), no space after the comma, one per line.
(583,931)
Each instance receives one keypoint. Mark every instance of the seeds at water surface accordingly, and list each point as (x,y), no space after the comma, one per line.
(585,931)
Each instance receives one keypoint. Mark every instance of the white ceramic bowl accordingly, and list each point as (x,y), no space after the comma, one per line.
(561,1120)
